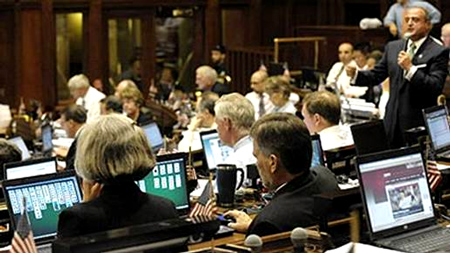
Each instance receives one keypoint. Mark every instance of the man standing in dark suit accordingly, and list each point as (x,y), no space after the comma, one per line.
(416,67)
(282,147)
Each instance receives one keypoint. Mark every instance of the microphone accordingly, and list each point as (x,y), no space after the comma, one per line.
(298,239)
(254,242)
(406,36)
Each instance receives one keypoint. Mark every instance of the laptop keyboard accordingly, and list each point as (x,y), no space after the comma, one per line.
(433,240)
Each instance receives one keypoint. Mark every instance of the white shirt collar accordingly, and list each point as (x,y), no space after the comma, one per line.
(418,43)
(242,142)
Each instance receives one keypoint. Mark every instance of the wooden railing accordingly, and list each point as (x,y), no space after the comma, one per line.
(242,62)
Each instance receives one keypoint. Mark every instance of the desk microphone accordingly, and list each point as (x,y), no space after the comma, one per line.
(298,239)
(254,242)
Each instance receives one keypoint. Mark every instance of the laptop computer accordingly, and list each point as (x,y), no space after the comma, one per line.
(154,136)
(317,156)
(169,180)
(215,151)
(47,136)
(397,201)
(18,140)
(369,137)
(29,168)
(46,197)
(436,122)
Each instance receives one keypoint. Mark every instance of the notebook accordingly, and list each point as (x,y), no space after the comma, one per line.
(397,201)
(21,145)
(169,180)
(29,168)
(46,197)
(317,156)
(369,137)
(216,152)
(438,129)
(154,136)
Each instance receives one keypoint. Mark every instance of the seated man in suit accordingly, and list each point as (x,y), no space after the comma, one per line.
(112,154)
(321,113)
(72,120)
(282,147)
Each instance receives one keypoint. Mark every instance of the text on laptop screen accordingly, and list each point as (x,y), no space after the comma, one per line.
(215,151)
(31,169)
(47,144)
(168,180)
(45,200)
(317,155)
(438,128)
(21,145)
(153,135)
(396,191)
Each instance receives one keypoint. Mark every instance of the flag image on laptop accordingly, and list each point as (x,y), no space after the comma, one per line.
(23,240)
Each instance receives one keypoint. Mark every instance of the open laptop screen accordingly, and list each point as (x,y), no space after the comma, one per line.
(154,136)
(168,180)
(46,197)
(47,144)
(438,128)
(317,156)
(30,168)
(21,145)
(395,189)
(215,151)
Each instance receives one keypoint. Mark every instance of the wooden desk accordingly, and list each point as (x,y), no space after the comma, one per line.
(236,238)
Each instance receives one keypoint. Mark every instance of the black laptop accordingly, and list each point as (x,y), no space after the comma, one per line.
(369,137)
(46,197)
(397,201)
(30,168)
(436,122)
(169,180)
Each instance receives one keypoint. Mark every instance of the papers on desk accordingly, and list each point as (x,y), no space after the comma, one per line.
(352,183)
(201,184)
(359,247)
(62,142)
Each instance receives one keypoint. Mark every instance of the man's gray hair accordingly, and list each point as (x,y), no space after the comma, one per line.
(209,72)
(78,81)
(238,109)
(112,148)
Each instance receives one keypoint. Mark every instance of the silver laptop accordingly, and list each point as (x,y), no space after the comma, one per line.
(216,152)
(397,201)
(21,145)
(155,139)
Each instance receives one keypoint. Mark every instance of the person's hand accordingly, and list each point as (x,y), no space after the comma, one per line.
(404,61)
(350,69)
(91,190)
(60,152)
(393,29)
(242,223)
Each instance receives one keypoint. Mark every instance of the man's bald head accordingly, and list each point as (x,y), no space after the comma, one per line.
(445,35)
(345,52)
(257,81)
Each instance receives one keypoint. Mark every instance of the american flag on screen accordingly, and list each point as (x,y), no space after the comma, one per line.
(434,175)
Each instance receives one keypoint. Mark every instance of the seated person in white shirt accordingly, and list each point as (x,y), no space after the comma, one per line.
(258,97)
(203,121)
(337,78)
(321,113)
(279,92)
(234,118)
(85,95)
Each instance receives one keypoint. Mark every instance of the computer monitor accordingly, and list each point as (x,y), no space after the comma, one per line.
(21,145)
(215,151)
(154,136)
(317,156)
(47,135)
(46,197)
(169,180)
(436,121)
(30,168)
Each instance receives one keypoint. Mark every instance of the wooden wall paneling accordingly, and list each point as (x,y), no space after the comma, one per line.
(212,27)
(7,63)
(95,47)
(234,27)
(255,24)
(48,53)
(148,50)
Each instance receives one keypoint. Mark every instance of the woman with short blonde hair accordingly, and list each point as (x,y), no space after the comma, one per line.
(112,154)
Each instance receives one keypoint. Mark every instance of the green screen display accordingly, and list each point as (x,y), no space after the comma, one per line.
(168,180)
(45,200)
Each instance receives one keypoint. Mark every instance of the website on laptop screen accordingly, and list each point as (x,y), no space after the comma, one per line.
(47,144)
(215,151)
(153,135)
(45,200)
(30,170)
(396,191)
(21,145)
(168,180)
(438,128)
(317,154)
